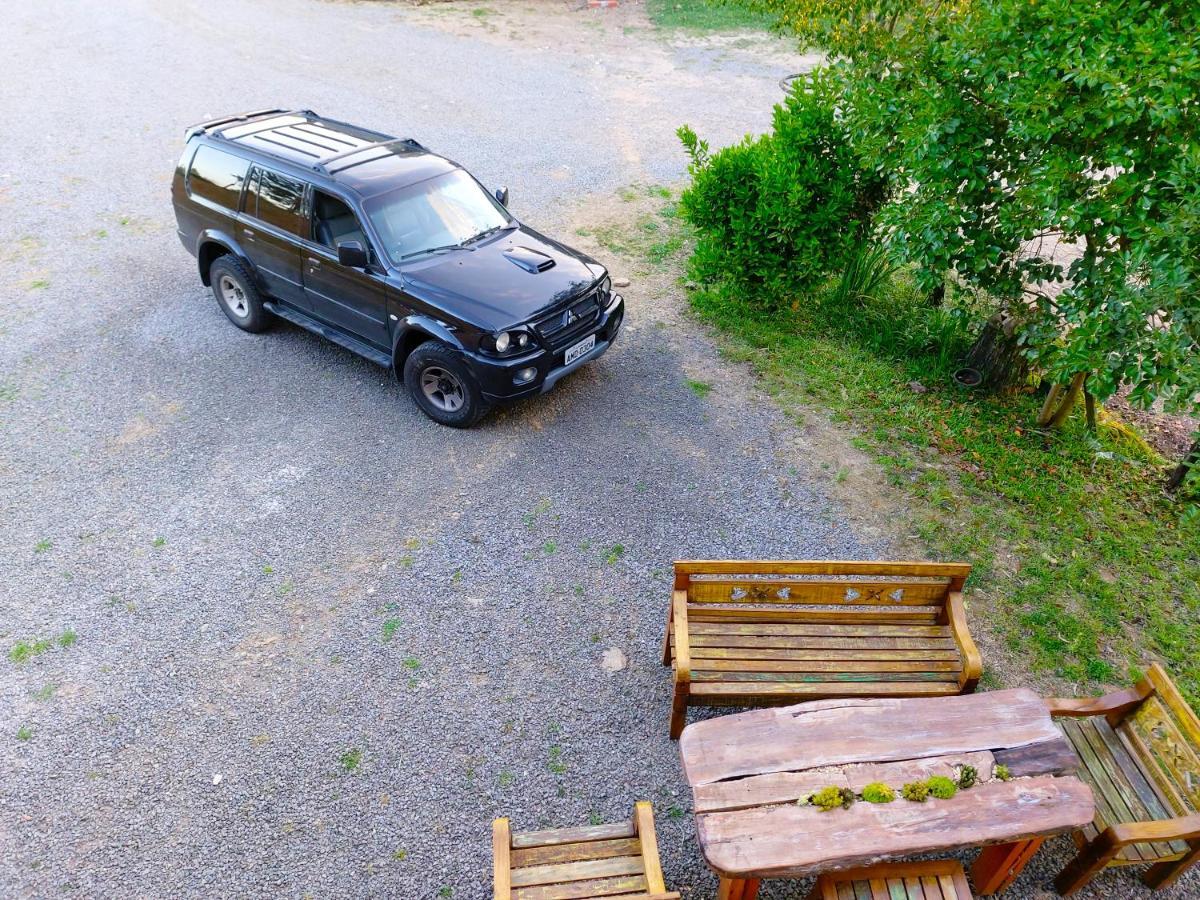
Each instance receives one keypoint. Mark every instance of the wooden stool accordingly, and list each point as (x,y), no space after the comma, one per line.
(580,863)
(940,879)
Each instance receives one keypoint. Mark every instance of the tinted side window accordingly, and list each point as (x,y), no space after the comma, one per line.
(217,176)
(279,201)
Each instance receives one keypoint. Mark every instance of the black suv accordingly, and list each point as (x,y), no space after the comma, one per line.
(391,251)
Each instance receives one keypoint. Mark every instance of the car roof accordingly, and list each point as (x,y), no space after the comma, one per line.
(365,161)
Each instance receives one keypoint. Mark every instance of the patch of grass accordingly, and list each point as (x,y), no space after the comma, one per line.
(24,650)
(39,284)
(268,570)
(45,692)
(399,854)
(67,638)
(674,812)
(700,388)
(506,778)
(704,15)
(555,763)
(615,552)
(158,542)
(530,518)
(549,547)
(43,546)
(411,663)
(24,733)
(1082,566)
(389,629)
(350,760)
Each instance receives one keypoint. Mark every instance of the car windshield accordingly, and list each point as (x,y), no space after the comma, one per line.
(437,213)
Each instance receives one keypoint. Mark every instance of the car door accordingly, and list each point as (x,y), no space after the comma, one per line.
(354,300)
(270,229)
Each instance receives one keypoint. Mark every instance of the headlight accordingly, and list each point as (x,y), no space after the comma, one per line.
(522,340)
(606,286)
(503,341)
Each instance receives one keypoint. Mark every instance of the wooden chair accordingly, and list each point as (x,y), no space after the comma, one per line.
(616,862)
(941,879)
(744,633)
(1140,752)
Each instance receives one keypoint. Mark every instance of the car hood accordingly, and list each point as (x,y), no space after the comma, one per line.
(502,281)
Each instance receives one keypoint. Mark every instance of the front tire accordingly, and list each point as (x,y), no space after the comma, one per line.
(237,294)
(442,385)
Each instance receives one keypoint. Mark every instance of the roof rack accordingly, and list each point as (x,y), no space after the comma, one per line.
(228,120)
(322,165)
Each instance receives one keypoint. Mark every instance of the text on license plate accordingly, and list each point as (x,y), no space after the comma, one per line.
(573,353)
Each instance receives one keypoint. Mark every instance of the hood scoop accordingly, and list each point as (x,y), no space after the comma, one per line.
(530,260)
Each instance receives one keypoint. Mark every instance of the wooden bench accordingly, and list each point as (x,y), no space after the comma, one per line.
(744,633)
(1140,750)
(616,862)
(932,880)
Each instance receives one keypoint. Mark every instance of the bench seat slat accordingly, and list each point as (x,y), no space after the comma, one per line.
(562,853)
(817,629)
(701,655)
(580,890)
(824,665)
(585,870)
(789,690)
(552,837)
(827,678)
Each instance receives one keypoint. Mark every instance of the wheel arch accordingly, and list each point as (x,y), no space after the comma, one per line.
(211,246)
(414,331)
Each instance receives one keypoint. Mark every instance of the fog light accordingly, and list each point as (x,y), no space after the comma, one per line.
(526,374)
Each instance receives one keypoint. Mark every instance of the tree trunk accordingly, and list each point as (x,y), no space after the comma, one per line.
(1180,472)
(1059,402)
(996,356)
(1089,402)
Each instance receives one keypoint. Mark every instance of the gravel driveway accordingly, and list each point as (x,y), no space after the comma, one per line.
(295,638)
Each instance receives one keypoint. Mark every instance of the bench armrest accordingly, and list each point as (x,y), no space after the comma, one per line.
(956,618)
(1114,706)
(1181,828)
(679,626)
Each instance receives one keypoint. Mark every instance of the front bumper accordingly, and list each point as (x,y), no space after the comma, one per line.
(497,378)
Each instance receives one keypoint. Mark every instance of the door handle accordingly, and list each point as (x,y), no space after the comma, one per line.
(313,263)
(249,235)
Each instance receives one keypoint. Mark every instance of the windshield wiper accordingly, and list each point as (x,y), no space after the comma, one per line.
(440,249)
(488,231)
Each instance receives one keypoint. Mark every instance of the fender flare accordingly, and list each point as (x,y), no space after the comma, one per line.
(221,238)
(415,329)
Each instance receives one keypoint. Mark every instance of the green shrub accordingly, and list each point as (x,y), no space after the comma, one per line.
(878,792)
(916,791)
(942,787)
(1002,772)
(778,213)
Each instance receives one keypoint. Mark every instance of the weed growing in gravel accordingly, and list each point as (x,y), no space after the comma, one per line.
(24,733)
(389,629)
(615,552)
(456,577)
(268,570)
(8,392)
(287,587)
(67,638)
(23,650)
(45,692)
(556,764)
(699,388)
(400,854)
(43,545)
(350,760)
(549,547)
(506,778)
(674,812)
(39,284)
(446,892)
(411,663)
(594,818)
(531,517)
(158,542)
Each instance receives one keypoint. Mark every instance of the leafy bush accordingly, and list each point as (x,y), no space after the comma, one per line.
(878,792)
(916,791)
(778,213)
(832,797)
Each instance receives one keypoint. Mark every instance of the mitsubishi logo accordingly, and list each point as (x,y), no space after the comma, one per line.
(569,318)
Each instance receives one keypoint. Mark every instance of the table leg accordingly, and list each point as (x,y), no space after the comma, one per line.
(738,889)
(999,865)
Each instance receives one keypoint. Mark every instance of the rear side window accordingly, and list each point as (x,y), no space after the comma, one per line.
(217,176)
(278,200)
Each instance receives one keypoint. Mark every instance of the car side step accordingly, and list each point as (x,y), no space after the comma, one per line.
(342,339)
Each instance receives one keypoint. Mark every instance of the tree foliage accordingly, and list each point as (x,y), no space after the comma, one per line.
(1046,152)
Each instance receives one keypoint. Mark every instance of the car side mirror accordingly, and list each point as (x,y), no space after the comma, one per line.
(352,255)
(502,195)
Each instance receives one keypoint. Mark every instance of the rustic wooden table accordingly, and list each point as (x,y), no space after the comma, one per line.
(747,772)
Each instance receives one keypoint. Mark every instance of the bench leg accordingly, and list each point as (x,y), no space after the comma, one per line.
(1161,875)
(999,865)
(738,889)
(679,711)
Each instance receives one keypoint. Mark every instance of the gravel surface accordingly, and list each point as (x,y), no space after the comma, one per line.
(301,640)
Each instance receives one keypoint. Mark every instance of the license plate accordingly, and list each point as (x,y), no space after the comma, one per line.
(573,353)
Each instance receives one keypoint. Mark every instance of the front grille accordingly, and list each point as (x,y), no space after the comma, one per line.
(563,328)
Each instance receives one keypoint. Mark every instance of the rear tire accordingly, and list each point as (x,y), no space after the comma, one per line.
(442,385)
(237,295)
